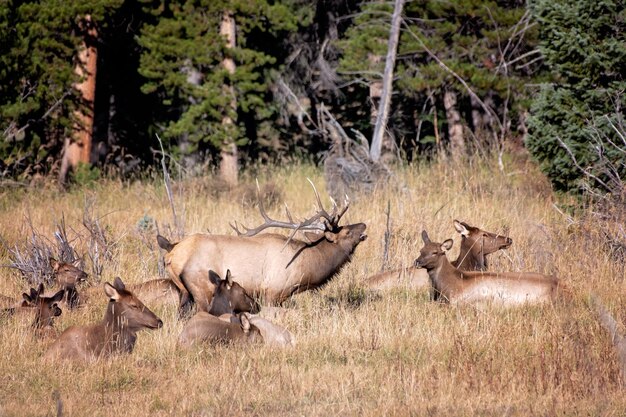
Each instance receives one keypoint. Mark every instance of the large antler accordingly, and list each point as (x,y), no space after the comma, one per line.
(313,223)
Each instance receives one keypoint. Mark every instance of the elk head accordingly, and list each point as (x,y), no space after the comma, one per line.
(229,297)
(484,242)
(66,274)
(132,313)
(327,223)
(46,307)
(431,253)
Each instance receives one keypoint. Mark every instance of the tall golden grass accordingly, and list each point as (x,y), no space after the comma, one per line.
(357,353)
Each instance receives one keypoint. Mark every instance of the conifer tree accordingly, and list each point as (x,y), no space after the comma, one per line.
(584,44)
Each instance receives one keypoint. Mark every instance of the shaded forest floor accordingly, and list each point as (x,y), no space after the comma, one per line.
(357,353)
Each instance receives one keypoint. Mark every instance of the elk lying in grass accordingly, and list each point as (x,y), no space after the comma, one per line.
(125,316)
(476,244)
(242,328)
(44,308)
(156,291)
(68,276)
(458,287)
(229,297)
(271,266)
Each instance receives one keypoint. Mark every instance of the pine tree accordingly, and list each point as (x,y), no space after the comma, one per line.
(584,44)
(183,66)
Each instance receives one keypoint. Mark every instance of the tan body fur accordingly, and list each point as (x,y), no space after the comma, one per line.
(156,291)
(476,244)
(116,333)
(477,288)
(260,264)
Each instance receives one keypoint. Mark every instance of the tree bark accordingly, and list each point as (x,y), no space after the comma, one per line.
(77,148)
(385,99)
(455,127)
(229,163)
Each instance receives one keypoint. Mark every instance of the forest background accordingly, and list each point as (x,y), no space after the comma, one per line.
(88,86)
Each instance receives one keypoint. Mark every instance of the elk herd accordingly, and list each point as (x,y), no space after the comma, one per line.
(227,279)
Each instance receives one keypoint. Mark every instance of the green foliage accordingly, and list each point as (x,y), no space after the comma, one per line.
(40,41)
(584,43)
(85,175)
(182,65)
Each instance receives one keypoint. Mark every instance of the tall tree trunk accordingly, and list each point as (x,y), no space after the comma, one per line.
(376,91)
(229,163)
(385,99)
(77,148)
(455,127)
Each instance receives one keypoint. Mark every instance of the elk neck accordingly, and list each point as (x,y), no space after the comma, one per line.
(117,333)
(471,256)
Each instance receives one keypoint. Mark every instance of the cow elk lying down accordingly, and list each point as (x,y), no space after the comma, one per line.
(477,288)
(476,244)
(116,333)
(229,297)
(156,292)
(241,328)
(68,276)
(44,309)
(271,266)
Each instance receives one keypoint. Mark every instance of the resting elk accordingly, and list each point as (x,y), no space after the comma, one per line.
(241,328)
(476,244)
(458,287)
(46,309)
(67,276)
(116,333)
(271,266)
(156,291)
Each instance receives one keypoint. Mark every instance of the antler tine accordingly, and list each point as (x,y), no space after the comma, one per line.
(344,209)
(322,211)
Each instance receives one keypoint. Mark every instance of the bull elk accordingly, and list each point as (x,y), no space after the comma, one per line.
(476,244)
(125,316)
(271,266)
(458,287)
(241,328)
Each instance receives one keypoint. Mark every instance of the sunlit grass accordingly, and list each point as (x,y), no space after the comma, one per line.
(357,353)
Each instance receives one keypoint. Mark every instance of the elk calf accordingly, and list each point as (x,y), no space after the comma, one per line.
(125,316)
(46,309)
(456,286)
(476,244)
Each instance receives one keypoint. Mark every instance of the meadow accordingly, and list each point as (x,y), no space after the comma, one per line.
(358,352)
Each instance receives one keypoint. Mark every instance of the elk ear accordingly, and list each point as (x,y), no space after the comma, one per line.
(111,292)
(27,298)
(425,237)
(40,289)
(245,323)
(164,243)
(330,236)
(461,228)
(214,278)
(447,245)
(119,284)
(54,264)
(58,296)
(229,278)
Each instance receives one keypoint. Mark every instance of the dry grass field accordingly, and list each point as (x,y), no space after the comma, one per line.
(357,353)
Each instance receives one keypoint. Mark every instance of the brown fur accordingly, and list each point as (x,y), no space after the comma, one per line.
(117,333)
(67,277)
(206,328)
(264,267)
(156,291)
(476,244)
(478,288)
